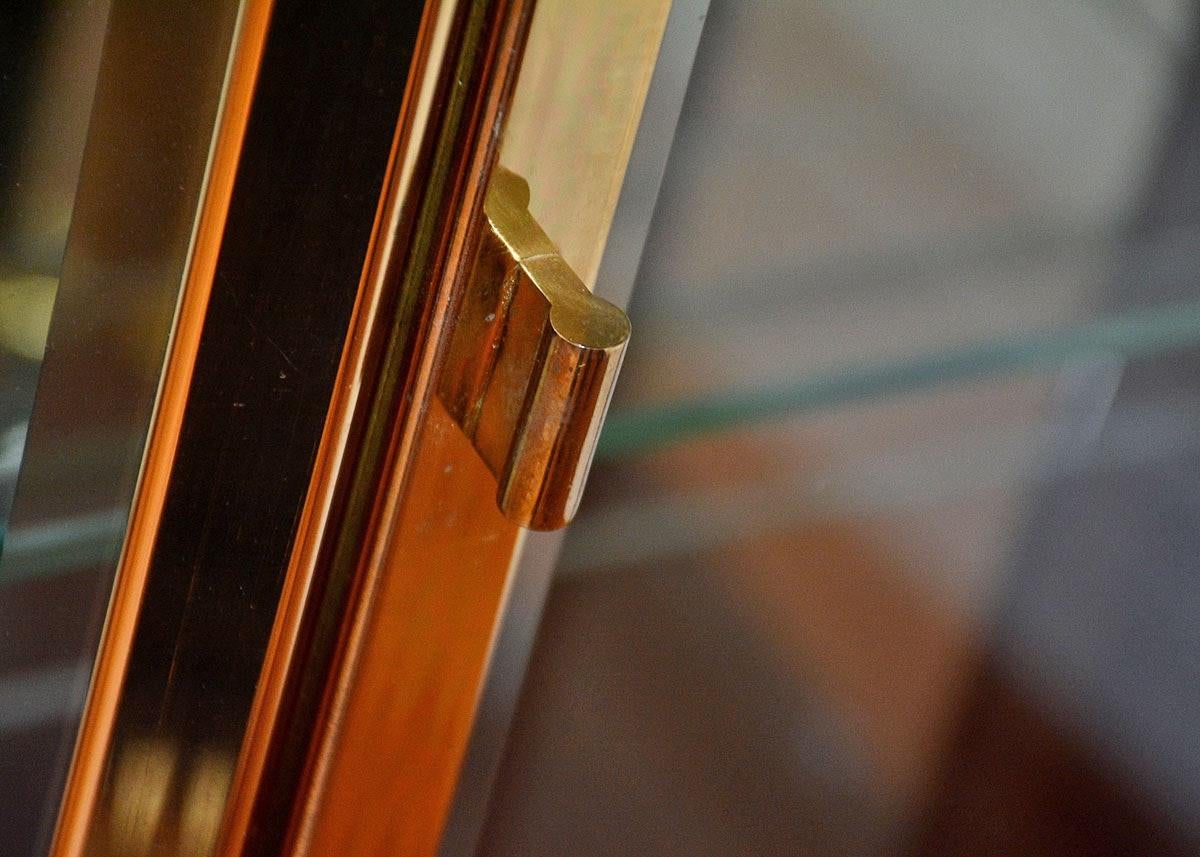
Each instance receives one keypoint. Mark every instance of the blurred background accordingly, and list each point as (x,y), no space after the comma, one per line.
(49,53)
(892,543)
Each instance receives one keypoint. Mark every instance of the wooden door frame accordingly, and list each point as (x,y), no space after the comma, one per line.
(374,635)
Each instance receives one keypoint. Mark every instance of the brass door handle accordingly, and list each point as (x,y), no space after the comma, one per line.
(531,363)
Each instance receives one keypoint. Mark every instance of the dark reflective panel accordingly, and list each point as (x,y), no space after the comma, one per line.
(309,177)
(95,238)
(321,123)
(49,57)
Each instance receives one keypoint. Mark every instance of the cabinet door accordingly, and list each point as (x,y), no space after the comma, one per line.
(324,350)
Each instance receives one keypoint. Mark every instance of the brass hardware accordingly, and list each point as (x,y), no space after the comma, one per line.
(531,363)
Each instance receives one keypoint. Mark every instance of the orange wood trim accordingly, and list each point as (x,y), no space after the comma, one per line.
(396,731)
(95,732)
(432,570)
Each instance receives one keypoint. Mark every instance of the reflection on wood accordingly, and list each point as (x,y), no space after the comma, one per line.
(580,95)
(421,651)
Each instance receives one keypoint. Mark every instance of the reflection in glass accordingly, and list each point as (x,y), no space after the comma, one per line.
(87,311)
(49,59)
(48,65)
(892,549)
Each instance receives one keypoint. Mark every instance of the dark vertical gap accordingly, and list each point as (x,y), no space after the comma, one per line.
(308,183)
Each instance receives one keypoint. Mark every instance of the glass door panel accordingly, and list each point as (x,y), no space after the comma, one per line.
(890,546)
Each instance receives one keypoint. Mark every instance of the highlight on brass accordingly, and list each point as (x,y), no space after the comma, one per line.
(532,362)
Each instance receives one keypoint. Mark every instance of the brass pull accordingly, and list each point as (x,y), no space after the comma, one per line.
(531,364)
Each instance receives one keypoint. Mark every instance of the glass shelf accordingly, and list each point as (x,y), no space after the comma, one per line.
(1131,336)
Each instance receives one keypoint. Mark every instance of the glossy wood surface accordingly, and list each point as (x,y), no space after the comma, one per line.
(404,591)
(343,731)
(419,627)
(391,760)
(285,278)
(576,112)
(274,751)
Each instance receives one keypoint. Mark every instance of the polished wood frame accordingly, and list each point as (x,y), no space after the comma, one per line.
(401,561)
(364,403)
(426,234)
(418,633)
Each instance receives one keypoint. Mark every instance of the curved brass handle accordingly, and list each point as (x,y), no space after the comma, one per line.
(532,362)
